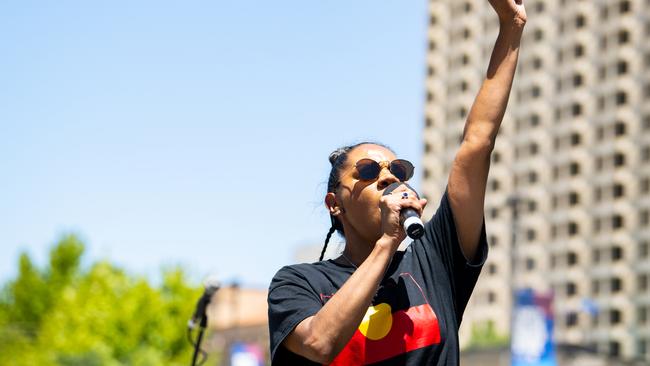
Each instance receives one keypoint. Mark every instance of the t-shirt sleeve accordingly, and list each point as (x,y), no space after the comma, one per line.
(291,299)
(441,236)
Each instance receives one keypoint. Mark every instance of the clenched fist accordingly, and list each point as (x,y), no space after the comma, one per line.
(510,12)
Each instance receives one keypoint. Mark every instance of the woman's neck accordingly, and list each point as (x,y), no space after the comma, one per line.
(357,249)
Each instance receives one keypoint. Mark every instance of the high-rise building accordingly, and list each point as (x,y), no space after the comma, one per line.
(573,153)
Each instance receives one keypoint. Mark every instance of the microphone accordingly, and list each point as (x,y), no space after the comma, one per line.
(408,217)
(211,285)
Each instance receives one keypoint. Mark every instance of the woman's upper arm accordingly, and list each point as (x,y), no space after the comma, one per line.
(466,191)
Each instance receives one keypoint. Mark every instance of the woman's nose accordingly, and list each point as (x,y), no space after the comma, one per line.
(385,179)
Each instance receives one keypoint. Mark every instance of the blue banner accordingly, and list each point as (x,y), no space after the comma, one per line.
(246,354)
(532,330)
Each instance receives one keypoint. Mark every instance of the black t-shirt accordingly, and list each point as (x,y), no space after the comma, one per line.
(415,314)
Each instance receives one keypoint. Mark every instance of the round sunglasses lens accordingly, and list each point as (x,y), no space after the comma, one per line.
(402,169)
(368,169)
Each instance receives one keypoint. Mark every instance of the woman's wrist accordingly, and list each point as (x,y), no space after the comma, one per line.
(388,244)
(512,26)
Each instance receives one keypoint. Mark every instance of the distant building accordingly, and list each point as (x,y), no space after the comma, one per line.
(311,253)
(574,148)
(237,315)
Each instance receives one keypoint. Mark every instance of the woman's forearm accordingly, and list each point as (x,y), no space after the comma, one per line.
(490,104)
(322,336)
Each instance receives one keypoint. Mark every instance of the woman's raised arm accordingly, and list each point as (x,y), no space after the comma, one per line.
(469,172)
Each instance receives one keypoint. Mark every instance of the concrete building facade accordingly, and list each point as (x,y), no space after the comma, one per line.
(573,153)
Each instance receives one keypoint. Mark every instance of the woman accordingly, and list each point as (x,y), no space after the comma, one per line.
(377,305)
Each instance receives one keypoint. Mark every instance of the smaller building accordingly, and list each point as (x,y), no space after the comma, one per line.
(237,315)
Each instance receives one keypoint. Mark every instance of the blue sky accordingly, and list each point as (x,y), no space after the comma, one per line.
(195,133)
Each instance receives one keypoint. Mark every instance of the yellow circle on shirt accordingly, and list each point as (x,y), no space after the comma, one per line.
(377,322)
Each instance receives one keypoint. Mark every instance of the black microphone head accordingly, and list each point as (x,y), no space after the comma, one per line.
(211,284)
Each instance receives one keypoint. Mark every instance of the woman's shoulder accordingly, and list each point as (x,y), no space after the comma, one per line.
(306,272)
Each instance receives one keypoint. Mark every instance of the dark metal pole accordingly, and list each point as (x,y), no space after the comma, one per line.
(513,203)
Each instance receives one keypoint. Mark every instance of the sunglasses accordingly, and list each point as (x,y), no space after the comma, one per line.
(369,169)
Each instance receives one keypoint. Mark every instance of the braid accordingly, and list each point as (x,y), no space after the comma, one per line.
(327,239)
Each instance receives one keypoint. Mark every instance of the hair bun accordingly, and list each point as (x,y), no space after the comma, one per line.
(336,154)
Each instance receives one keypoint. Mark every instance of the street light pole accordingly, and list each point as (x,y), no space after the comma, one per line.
(513,203)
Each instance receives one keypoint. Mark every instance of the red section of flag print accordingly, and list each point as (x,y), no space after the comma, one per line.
(412,329)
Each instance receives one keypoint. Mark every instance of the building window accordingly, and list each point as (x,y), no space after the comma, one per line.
(571,289)
(616,285)
(575,139)
(643,282)
(574,168)
(617,253)
(597,225)
(574,198)
(595,287)
(621,67)
(645,185)
(645,153)
(614,316)
(619,128)
(530,234)
(618,190)
(578,50)
(642,315)
(534,119)
(576,109)
(619,159)
(492,297)
(644,249)
(580,21)
(624,6)
(571,259)
(617,221)
(530,264)
(614,349)
(577,80)
(494,185)
(535,91)
(621,98)
(573,228)
(645,217)
(623,37)
(595,255)
(571,319)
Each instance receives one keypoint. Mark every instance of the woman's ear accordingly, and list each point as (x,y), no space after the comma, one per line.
(332,204)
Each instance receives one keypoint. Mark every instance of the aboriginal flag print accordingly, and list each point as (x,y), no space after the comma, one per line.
(399,321)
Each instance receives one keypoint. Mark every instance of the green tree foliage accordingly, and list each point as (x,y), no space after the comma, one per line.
(485,335)
(64,315)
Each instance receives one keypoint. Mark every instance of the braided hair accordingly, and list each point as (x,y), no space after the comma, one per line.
(338,158)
